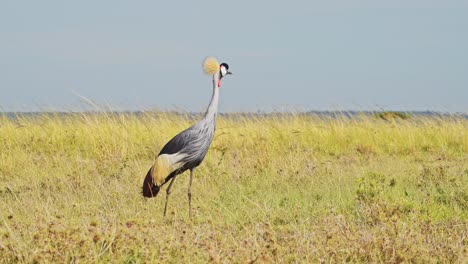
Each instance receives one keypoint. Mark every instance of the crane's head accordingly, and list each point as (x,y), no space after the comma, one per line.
(211,66)
(223,71)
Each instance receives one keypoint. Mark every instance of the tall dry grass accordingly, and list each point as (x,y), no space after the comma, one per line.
(280,188)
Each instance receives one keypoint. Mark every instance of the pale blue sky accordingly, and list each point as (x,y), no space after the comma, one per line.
(301,55)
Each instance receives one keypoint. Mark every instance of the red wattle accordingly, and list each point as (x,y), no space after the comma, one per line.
(219,83)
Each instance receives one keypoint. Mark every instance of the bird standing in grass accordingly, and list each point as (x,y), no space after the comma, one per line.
(187,149)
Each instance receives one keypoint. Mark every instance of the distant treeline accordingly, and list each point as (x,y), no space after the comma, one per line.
(386,115)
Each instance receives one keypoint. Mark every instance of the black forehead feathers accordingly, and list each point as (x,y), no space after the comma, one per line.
(224,65)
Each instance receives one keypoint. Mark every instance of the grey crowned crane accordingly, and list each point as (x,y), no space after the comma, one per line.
(187,150)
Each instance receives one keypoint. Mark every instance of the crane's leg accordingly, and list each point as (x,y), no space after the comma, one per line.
(168,192)
(190,193)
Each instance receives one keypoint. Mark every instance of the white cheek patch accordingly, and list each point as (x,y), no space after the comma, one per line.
(223,71)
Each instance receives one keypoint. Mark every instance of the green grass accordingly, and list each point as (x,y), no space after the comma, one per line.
(284,188)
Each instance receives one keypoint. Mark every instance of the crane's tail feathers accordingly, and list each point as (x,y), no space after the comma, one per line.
(149,188)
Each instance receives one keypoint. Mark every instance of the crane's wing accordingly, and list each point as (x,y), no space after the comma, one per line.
(179,142)
(171,157)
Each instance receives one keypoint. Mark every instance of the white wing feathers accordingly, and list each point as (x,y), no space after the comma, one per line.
(164,165)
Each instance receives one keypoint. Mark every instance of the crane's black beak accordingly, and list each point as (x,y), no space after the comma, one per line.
(228,72)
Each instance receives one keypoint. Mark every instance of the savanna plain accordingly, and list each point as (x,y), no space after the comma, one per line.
(285,188)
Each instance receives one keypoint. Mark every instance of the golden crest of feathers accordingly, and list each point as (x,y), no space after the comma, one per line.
(210,65)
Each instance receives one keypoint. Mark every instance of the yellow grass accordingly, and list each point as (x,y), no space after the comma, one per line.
(284,188)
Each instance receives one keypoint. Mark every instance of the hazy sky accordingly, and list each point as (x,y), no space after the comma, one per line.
(302,55)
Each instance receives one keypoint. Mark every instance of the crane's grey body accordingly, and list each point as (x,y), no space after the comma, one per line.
(196,140)
(186,150)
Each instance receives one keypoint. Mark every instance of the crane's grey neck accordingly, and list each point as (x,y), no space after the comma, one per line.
(212,109)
